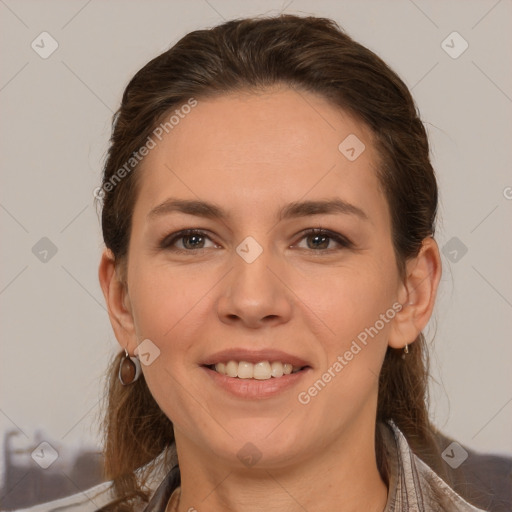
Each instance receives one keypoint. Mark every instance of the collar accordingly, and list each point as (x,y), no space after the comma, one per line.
(413,486)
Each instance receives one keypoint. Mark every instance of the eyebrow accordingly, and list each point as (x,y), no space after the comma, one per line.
(291,210)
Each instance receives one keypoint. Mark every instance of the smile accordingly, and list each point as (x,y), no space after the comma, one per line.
(262,370)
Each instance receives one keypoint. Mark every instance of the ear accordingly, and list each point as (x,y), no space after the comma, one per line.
(417,295)
(118,302)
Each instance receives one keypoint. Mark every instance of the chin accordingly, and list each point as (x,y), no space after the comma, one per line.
(257,446)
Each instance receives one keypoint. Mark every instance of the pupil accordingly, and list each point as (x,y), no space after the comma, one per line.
(192,237)
(320,237)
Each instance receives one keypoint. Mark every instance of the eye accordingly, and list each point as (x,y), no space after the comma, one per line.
(190,240)
(322,238)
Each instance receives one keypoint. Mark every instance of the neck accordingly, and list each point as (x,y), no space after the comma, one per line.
(342,476)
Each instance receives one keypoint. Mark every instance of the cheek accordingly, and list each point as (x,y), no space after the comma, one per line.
(162,297)
(166,303)
(346,300)
(355,308)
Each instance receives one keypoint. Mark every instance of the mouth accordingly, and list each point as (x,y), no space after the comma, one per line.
(255,374)
(262,370)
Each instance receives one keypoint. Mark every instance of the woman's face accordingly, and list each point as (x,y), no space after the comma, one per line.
(257,171)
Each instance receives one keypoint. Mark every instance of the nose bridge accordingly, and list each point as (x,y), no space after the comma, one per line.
(252,279)
(252,267)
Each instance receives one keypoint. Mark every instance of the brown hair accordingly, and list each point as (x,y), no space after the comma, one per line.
(310,54)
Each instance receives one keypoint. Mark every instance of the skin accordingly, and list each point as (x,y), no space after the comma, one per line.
(252,154)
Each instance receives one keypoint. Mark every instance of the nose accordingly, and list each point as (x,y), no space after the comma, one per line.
(255,294)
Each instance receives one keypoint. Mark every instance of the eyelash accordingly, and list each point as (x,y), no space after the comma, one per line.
(168,241)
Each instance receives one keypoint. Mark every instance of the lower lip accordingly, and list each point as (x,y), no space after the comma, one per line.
(254,388)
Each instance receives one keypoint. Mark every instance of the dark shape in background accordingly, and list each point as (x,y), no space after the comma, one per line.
(26,484)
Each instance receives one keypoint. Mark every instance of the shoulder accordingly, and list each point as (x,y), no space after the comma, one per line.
(470,481)
(99,496)
(90,500)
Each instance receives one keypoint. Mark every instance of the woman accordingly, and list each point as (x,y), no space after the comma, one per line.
(268,214)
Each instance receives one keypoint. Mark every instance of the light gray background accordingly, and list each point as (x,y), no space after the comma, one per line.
(56,115)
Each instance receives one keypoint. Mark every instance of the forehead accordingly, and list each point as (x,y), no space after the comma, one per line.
(253,151)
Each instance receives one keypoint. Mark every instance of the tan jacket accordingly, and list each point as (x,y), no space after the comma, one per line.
(483,482)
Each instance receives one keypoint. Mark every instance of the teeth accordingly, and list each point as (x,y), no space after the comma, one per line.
(231,369)
(260,371)
(245,370)
(276,369)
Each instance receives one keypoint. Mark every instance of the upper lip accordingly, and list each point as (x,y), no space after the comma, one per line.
(253,356)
